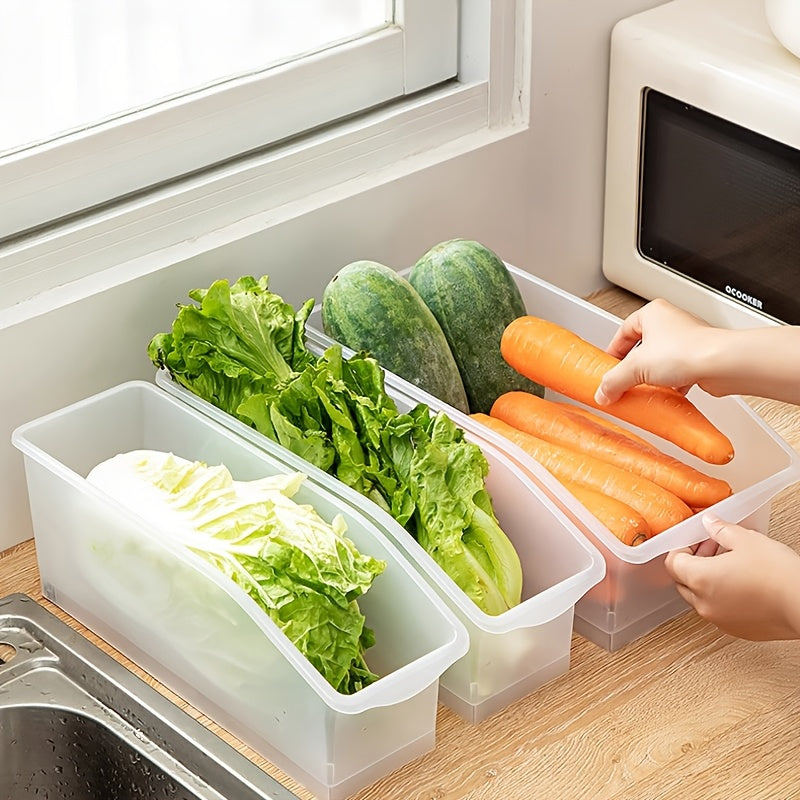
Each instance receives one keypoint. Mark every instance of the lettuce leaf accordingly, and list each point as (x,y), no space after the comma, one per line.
(304,572)
(241,339)
(335,413)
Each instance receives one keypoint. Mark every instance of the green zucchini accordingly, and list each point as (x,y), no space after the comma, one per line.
(473,297)
(368,306)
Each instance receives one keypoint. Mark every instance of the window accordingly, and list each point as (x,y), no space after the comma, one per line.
(111,96)
(95,60)
(409,79)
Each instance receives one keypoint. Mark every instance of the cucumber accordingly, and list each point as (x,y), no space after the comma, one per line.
(368,306)
(473,297)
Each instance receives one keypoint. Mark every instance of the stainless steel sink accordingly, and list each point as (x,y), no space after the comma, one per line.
(77,725)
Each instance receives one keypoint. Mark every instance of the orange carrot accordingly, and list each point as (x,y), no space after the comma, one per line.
(627,525)
(660,508)
(586,414)
(560,360)
(551,422)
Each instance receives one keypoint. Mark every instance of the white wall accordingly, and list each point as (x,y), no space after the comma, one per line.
(535,198)
(567,139)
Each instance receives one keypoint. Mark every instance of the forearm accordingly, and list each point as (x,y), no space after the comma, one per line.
(764,362)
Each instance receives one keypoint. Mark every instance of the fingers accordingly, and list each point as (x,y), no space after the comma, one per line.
(623,376)
(722,532)
(687,564)
(615,383)
(679,565)
(664,358)
(604,395)
(709,547)
(627,336)
(687,594)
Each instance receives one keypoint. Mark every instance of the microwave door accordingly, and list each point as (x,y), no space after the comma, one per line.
(719,204)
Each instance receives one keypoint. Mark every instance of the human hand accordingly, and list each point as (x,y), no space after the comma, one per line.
(745,583)
(657,345)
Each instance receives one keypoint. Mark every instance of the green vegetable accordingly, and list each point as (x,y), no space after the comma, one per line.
(335,413)
(368,306)
(304,572)
(473,297)
(241,340)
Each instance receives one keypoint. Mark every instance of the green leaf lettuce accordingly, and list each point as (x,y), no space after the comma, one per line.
(242,349)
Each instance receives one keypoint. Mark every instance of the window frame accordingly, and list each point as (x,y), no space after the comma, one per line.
(179,136)
(140,233)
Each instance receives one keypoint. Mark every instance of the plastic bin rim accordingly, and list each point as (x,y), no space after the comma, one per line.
(559,597)
(441,657)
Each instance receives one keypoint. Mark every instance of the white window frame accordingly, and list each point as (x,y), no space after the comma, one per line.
(130,152)
(48,267)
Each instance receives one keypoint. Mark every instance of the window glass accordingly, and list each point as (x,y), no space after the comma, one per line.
(68,65)
(107,99)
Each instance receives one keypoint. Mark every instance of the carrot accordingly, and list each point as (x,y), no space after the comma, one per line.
(564,362)
(627,525)
(553,423)
(660,508)
(586,414)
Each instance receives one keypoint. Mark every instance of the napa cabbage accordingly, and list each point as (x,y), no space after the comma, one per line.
(304,572)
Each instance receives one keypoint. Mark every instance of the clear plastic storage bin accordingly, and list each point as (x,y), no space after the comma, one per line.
(637,593)
(510,654)
(197,632)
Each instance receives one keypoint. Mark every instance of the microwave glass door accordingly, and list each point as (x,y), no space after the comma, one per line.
(720,205)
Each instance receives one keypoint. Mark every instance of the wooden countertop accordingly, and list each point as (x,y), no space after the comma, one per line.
(685,712)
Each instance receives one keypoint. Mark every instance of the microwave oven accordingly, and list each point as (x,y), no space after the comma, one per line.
(702,191)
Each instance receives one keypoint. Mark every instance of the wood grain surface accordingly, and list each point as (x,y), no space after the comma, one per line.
(684,713)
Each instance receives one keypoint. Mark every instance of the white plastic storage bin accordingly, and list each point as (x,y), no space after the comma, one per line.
(197,632)
(510,654)
(637,593)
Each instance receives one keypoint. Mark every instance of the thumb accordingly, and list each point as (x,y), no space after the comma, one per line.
(722,532)
(615,383)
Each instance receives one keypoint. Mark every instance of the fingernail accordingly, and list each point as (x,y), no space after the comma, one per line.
(600,398)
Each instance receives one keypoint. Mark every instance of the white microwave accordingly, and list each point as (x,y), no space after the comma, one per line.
(702,198)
